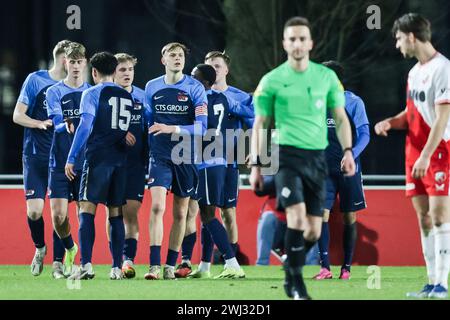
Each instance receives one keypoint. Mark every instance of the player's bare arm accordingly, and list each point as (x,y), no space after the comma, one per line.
(398,122)
(344,133)
(437,131)
(158,128)
(258,138)
(20,117)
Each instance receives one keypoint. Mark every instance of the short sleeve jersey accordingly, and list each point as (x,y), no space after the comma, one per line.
(298,101)
(174,104)
(136,153)
(111,106)
(36,142)
(64,101)
(428,86)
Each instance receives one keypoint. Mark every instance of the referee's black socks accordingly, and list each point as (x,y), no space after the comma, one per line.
(296,252)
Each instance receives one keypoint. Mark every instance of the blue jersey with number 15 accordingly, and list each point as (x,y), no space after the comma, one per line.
(111,107)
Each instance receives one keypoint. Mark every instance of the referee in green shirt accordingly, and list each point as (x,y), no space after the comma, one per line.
(296,95)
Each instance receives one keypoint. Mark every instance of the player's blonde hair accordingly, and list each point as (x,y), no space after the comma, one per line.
(60,48)
(125,57)
(75,50)
(219,54)
(173,45)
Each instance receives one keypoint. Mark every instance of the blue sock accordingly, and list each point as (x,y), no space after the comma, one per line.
(110,247)
(188,246)
(172,257)
(117,229)
(324,243)
(37,231)
(68,242)
(130,248)
(58,248)
(86,236)
(234,247)
(155,255)
(349,244)
(220,238)
(207,244)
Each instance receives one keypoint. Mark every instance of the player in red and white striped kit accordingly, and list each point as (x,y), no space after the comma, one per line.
(427,146)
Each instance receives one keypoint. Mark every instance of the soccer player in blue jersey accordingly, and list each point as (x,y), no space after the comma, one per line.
(30,112)
(212,176)
(178,109)
(221,63)
(106,110)
(136,161)
(63,107)
(350,189)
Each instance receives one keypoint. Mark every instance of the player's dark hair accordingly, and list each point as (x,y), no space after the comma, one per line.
(413,23)
(219,54)
(297,21)
(336,67)
(104,62)
(208,73)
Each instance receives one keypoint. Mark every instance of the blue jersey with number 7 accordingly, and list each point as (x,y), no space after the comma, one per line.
(111,107)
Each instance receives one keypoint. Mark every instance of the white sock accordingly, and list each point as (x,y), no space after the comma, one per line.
(186,261)
(170,267)
(429,254)
(442,249)
(204,266)
(232,263)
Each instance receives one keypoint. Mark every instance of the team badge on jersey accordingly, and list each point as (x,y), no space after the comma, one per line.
(440,177)
(182,97)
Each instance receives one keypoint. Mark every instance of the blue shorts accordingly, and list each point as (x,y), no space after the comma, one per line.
(231,187)
(35,177)
(60,187)
(211,186)
(135,182)
(350,190)
(103,184)
(181,179)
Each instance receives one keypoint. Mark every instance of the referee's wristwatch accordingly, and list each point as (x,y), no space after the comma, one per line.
(255,161)
(348,149)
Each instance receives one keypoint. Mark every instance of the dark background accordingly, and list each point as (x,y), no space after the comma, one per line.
(249,30)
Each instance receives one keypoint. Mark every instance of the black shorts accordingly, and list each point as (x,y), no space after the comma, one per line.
(301,178)
(350,190)
(103,184)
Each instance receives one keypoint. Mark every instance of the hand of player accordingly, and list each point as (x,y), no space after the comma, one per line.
(256,179)
(348,166)
(43,125)
(130,139)
(70,128)
(158,128)
(247,161)
(382,128)
(70,174)
(420,168)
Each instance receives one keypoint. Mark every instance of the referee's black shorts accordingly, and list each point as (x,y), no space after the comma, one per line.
(301,178)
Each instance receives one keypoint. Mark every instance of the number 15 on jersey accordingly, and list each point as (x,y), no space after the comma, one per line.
(120,117)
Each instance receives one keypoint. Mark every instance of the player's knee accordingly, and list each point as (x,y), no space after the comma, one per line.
(349,218)
(179,215)
(157,209)
(34,214)
(312,234)
(58,219)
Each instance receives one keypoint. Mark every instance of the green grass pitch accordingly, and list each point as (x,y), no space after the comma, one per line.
(261,283)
